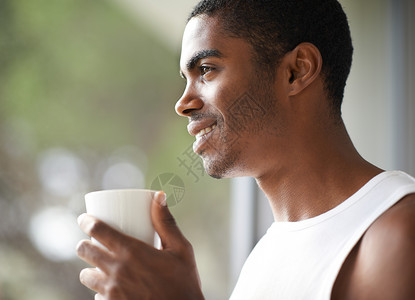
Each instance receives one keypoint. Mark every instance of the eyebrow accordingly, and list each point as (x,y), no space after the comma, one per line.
(201,55)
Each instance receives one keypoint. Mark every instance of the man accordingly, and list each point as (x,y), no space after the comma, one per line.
(265,82)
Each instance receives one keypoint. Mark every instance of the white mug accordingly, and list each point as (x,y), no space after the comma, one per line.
(127,210)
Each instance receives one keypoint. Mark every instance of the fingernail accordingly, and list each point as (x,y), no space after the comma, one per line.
(80,218)
(161,198)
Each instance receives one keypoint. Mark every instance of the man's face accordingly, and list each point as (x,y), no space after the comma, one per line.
(228,100)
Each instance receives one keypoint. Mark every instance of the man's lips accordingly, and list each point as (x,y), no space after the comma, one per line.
(205,131)
(200,128)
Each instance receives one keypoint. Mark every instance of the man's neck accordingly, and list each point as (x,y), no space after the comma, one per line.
(316,180)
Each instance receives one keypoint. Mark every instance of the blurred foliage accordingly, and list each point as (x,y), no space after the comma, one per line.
(80,75)
(75,66)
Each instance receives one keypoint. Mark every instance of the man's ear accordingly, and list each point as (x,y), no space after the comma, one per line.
(304,66)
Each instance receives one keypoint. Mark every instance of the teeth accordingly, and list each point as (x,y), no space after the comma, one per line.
(205,131)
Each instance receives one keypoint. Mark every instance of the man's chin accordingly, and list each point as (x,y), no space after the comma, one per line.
(212,172)
(218,169)
(216,176)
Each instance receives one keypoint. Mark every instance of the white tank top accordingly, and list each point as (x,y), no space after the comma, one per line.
(301,260)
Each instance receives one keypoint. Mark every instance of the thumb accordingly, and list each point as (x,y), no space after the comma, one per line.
(165,224)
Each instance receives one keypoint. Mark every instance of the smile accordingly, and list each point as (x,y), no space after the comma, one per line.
(205,131)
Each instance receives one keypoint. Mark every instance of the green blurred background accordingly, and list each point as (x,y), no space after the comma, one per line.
(87,95)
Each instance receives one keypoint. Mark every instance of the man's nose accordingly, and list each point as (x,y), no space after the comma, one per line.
(188,103)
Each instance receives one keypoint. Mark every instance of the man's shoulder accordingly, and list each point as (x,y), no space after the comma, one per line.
(388,250)
(392,233)
(398,219)
(382,264)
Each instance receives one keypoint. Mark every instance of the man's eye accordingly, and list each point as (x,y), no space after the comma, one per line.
(205,69)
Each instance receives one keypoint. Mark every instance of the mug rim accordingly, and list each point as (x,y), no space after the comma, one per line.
(121,190)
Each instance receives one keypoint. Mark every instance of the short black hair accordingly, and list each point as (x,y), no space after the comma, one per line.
(275,27)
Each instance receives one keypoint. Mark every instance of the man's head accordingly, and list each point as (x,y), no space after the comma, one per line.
(257,94)
(231,106)
(275,27)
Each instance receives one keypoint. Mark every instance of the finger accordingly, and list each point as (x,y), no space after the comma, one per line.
(165,224)
(94,255)
(93,279)
(102,232)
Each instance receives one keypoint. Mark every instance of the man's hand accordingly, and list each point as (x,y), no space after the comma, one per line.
(131,269)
